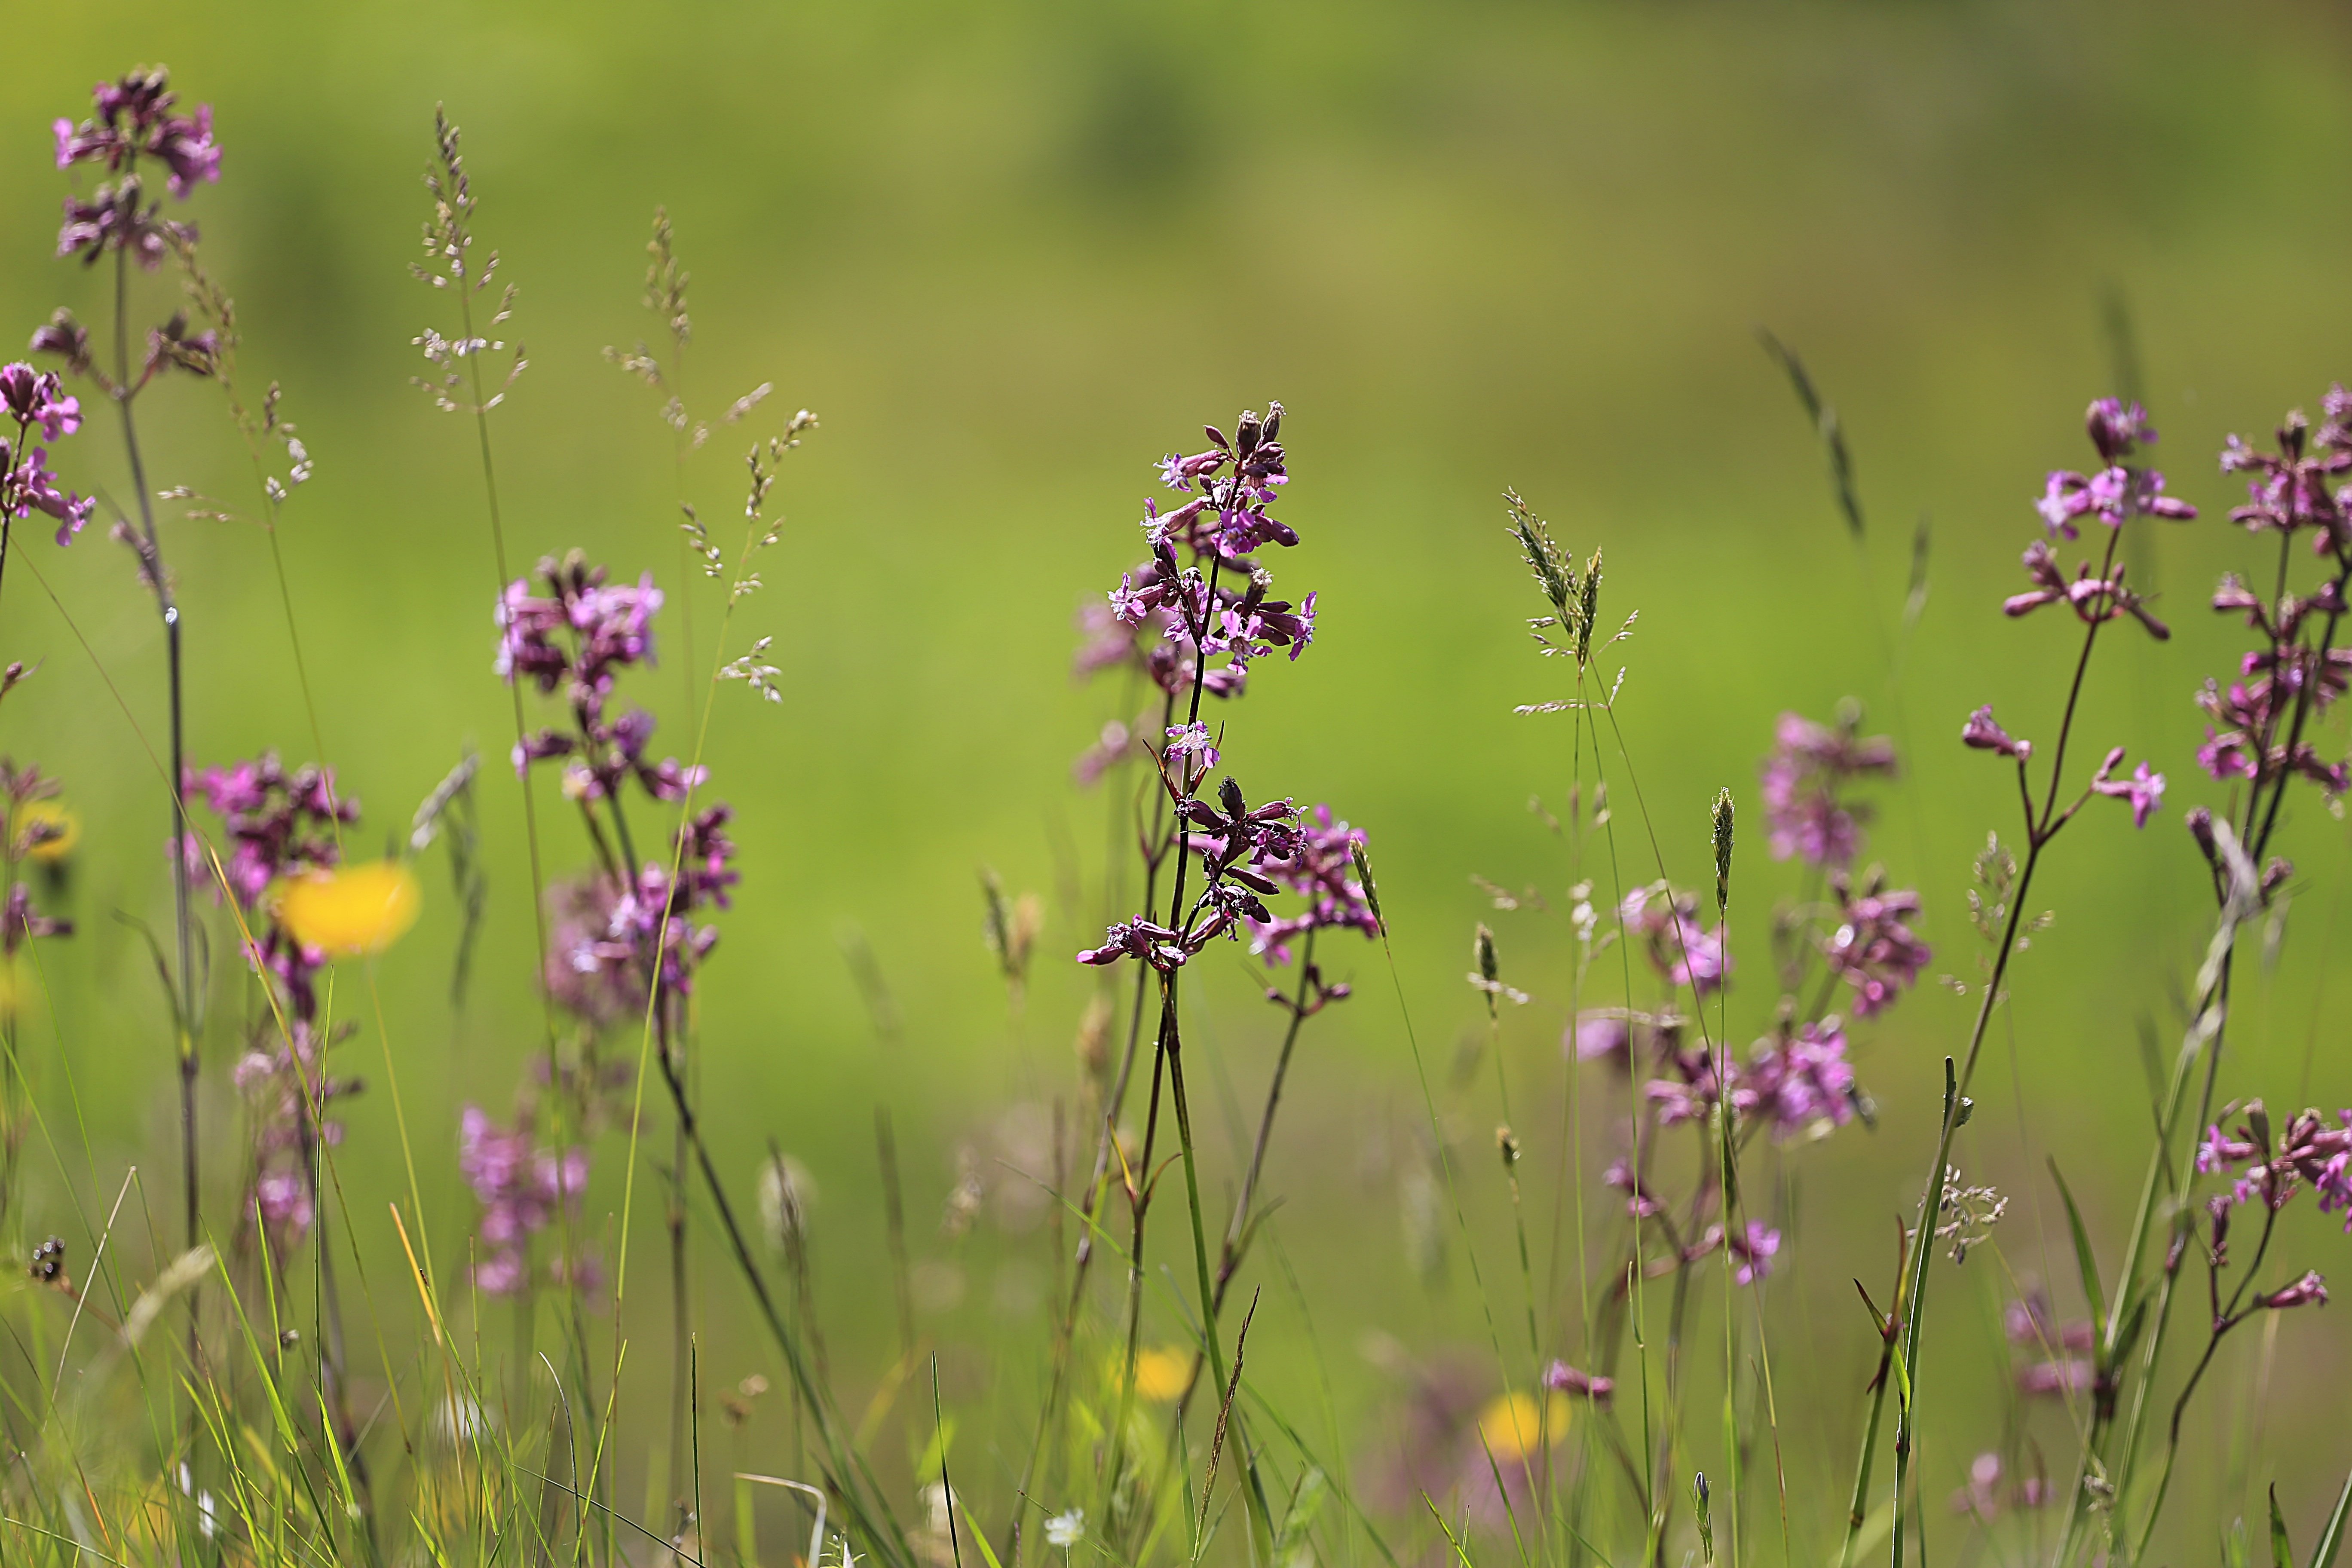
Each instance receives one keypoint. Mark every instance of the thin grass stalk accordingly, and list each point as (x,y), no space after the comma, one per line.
(1729,1158)
(1098,1185)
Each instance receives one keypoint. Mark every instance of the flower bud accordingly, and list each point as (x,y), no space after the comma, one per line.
(2200,828)
(1229,795)
(2309,1290)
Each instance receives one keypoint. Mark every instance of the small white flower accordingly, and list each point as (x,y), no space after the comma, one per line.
(1063,1529)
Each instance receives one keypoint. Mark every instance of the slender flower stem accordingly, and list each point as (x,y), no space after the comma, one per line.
(2256,842)
(1913,1300)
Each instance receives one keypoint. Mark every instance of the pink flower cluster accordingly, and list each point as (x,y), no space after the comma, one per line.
(521,1187)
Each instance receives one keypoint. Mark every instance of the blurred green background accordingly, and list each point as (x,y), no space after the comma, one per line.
(1010,253)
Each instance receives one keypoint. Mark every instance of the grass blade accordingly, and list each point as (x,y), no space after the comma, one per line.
(2323,1555)
(2084,1258)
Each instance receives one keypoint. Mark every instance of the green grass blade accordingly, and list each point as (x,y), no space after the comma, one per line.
(2323,1555)
(2084,1259)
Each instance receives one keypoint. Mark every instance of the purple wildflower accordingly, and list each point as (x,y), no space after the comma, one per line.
(1113,746)
(575,640)
(1319,868)
(1678,948)
(279,823)
(19,923)
(1606,1034)
(1242,849)
(2027,1323)
(134,120)
(282,1197)
(2289,490)
(1640,1203)
(2308,1151)
(288,1090)
(2309,1290)
(521,1187)
(1196,750)
(1753,1247)
(2092,599)
(2249,735)
(29,486)
(2144,789)
(2116,492)
(1982,732)
(1873,947)
(1178,618)
(1561,1378)
(1802,775)
(1805,1082)
(2068,1376)
(38,397)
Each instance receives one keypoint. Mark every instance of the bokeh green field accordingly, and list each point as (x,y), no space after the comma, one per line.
(1011,252)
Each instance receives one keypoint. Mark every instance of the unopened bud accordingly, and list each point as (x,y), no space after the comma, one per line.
(2200,828)
(1482,947)
(2276,874)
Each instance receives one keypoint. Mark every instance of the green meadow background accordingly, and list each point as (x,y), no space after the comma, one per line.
(1010,253)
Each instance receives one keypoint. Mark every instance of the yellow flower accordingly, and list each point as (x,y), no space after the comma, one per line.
(58,829)
(1161,1373)
(1514,1425)
(351,911)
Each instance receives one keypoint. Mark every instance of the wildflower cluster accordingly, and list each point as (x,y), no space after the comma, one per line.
(2269,1166)
(34,399)
(2258,724)
(616,929)
(2118,491)
(1170,619)
(1322,869)
(522,1188)
(1665,925)
(1166,617)
(2116,494)
(2054,1359)
(1239,846)
(1806,776)
(1872,946)
(283,831)
(133,119)
(575,640)
(1796,1082)
(35,830)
